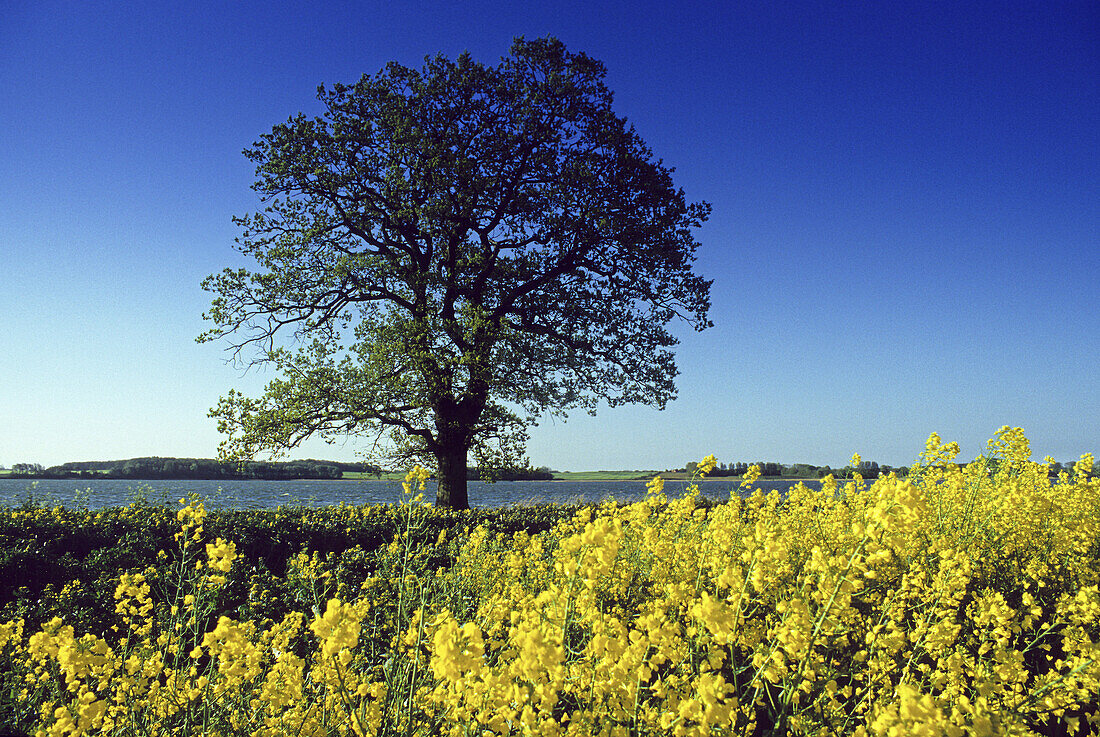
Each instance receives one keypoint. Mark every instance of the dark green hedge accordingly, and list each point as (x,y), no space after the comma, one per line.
(42,550)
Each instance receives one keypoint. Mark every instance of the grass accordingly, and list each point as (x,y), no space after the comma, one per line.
(611,475)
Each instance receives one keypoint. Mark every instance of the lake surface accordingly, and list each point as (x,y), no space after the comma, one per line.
(254,494)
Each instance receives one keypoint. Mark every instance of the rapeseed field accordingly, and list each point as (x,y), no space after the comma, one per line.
(960,600)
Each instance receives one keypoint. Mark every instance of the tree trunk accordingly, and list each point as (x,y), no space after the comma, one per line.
(451,459)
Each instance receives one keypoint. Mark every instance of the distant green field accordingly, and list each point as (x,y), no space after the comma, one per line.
(365,475)
(607,475)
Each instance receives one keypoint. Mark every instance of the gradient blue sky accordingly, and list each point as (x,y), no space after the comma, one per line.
(905,238)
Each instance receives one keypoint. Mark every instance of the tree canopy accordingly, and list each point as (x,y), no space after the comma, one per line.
(449,252)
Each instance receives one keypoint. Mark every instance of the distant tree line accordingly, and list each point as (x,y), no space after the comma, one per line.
(193,468)
(209,469)
(26,469)
(867,469)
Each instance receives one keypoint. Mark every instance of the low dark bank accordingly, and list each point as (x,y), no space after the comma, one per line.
(208,469)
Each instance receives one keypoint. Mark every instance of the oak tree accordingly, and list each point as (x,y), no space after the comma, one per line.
(447,253)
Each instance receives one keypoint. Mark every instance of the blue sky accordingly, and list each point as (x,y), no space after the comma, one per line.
(905,237)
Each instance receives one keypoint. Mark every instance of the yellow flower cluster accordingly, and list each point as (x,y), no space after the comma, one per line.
(220,556)
(416,479)
(962,600)
(191,518)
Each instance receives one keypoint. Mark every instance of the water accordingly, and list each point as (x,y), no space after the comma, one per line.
(256,494)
